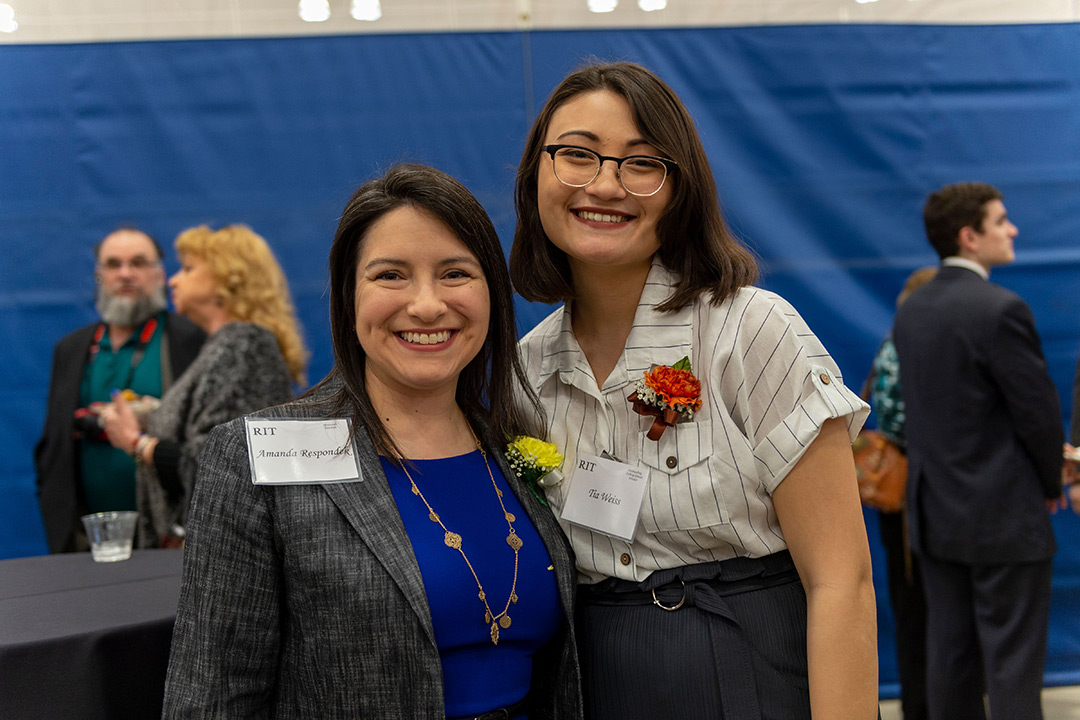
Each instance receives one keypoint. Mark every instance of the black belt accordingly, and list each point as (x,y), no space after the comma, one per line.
(704,587)
(503,713)
(673,587)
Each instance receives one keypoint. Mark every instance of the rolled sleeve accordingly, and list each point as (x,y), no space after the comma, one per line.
(789,387)
(784,445)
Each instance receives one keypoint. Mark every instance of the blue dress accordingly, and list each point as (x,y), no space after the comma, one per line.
(478,676)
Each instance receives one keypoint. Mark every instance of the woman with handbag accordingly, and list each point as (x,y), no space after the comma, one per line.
(905,584)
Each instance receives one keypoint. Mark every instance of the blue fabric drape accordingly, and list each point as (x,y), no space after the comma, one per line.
(824,141)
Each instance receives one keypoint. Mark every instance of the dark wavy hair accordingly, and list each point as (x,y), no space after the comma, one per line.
(487,385)
(694,240)
(952,208)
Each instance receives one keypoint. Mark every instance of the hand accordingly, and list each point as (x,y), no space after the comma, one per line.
(1054,504)
(1070,469)
(120,423)
(1070,475)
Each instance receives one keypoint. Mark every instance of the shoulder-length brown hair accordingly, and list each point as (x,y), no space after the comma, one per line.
(694,240)
(486,387)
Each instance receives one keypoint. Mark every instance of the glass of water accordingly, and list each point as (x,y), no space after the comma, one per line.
(110,534)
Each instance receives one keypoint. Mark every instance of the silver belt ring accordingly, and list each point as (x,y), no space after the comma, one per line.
(670,608)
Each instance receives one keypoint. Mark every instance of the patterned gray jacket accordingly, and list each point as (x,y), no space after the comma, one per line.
(306,601)
(238,371)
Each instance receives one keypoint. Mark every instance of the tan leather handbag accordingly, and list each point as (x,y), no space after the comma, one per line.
(881,470)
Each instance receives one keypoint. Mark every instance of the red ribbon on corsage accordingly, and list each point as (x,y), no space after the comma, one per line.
(669,394)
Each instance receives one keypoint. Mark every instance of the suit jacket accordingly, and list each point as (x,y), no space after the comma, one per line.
(983,422)
(307,600)
(55,460)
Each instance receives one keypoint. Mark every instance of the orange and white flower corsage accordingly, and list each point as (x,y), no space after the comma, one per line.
(669,394)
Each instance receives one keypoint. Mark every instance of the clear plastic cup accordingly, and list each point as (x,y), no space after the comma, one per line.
(111,534)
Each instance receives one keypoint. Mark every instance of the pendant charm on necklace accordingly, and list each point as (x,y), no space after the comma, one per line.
(453,540)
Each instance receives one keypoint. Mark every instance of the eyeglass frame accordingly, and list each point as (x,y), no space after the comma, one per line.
(138,263)
(669,166)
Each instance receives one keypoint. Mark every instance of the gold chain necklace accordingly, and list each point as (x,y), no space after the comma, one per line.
(453,540)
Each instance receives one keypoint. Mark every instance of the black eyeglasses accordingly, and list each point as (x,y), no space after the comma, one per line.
(641,175)
(139,262)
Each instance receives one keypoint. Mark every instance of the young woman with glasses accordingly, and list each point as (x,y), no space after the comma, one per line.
(742,588)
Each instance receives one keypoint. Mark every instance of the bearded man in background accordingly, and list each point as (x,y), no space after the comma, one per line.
(136,346)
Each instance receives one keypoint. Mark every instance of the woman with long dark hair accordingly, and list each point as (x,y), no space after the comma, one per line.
(425,583)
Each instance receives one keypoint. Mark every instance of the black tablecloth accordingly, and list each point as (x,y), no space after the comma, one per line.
(80,639)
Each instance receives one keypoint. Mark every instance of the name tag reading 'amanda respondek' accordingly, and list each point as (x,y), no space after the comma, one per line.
(605,496)
(301,452)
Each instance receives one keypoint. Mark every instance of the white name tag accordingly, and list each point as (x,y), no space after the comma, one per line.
(605,496)
(301,452)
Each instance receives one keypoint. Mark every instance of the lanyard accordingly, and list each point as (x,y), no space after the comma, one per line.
(145,335)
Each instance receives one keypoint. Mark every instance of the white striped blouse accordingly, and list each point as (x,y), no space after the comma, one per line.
(768,384)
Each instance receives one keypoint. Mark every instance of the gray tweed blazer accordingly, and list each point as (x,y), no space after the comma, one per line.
(306,601)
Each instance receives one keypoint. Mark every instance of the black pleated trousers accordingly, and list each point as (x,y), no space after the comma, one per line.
(734,650)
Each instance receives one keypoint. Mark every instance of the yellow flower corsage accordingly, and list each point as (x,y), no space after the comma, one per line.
(532,460)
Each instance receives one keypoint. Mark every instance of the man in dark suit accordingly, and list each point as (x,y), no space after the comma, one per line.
(136,345)
(984,442)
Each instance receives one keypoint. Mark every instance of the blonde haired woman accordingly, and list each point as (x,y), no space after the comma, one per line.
(231,286)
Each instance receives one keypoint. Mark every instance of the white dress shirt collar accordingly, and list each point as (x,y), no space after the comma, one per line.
(957,261)
(656,338)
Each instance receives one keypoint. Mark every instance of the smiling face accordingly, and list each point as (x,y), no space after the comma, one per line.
(600,225)
(422,305)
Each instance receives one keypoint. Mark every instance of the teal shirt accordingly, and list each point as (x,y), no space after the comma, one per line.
(108,474)
(885,397)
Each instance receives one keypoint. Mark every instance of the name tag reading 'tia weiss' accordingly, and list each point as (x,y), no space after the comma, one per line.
(301,452)
(606,496)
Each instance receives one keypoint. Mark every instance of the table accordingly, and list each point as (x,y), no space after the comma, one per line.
(80,639)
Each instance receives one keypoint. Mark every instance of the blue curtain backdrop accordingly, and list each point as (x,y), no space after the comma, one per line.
(824,141)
